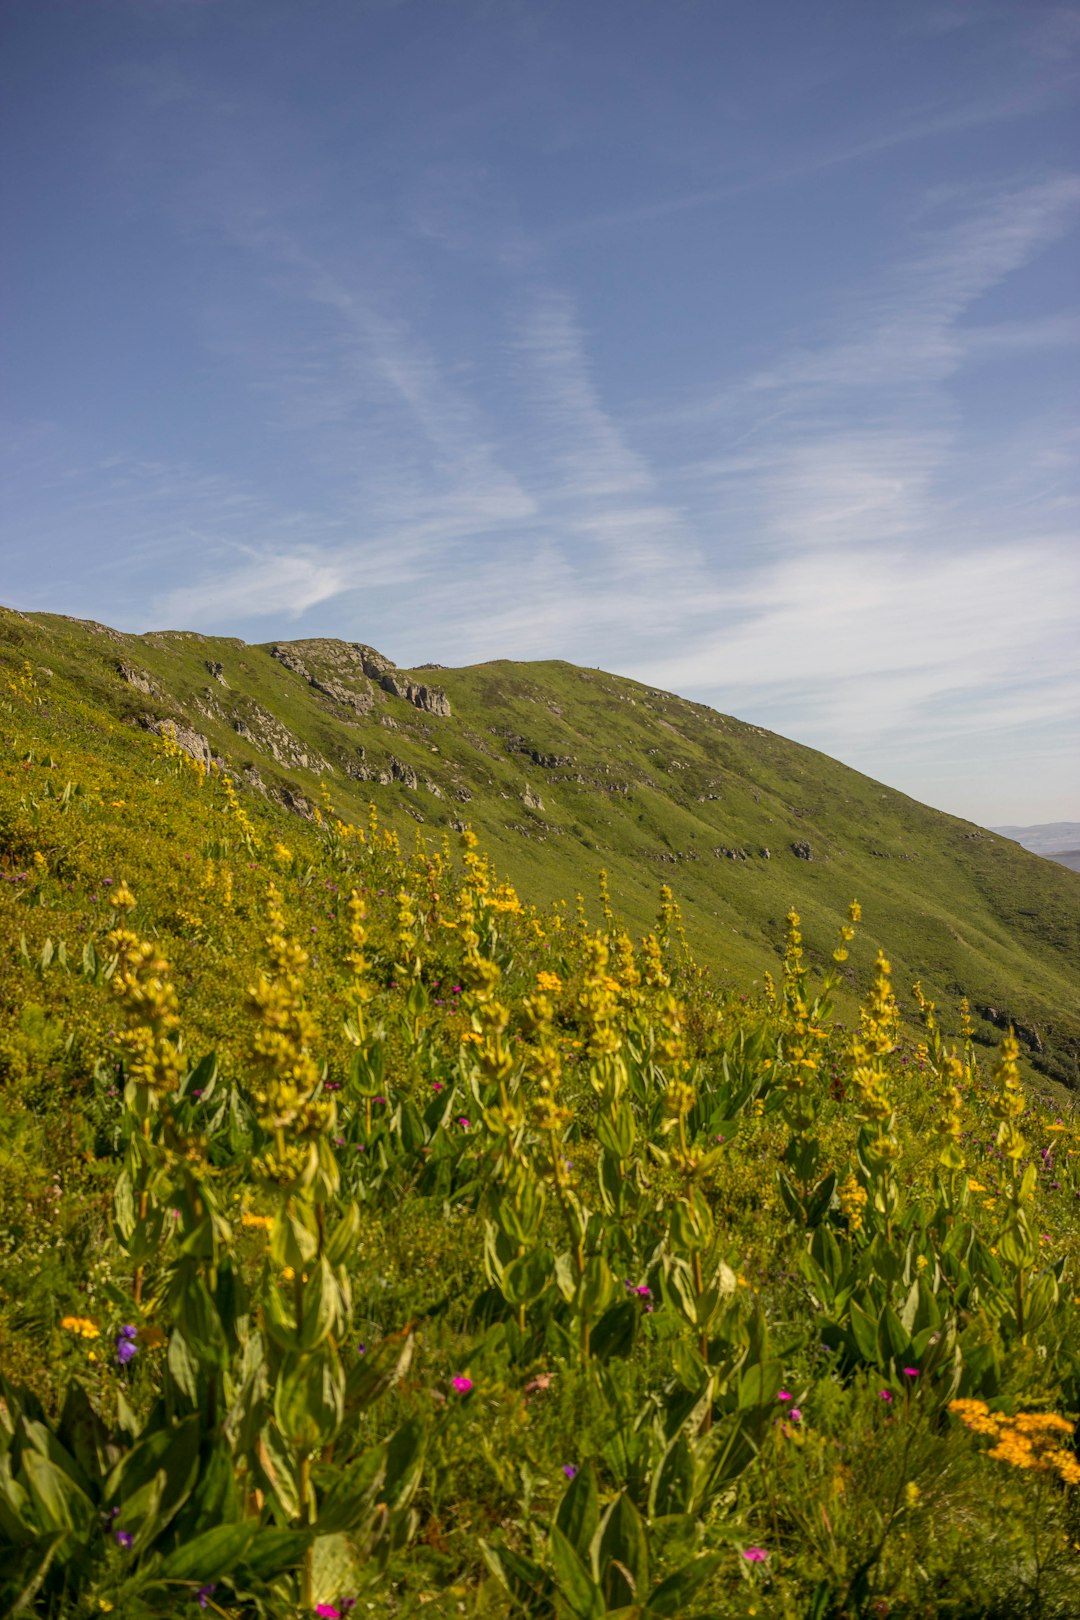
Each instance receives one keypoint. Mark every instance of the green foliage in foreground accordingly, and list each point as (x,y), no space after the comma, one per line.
(372,1241)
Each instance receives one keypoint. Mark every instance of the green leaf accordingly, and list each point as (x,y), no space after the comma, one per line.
(573,1582)
(672,1487)
(272,1552)
(578,1515)
(58,1501)
(381,1368)
(892,1336)
(343,1238)
(673,1594)
(321,1302)
(622,1559)
(309,1398)
(616,1332)
(759,1384)
(352,1491)
(209,1556)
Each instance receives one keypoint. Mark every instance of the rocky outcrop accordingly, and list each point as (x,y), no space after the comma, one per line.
(361,702)
(217,671)
(139,679)
(265,731)
(801,849)
(428,698)
(1023,1032)
(186,737)
(722,853)
(531,800)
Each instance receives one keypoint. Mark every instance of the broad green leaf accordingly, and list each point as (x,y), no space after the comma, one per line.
(573,1582)
(578,1514)
(209,1556)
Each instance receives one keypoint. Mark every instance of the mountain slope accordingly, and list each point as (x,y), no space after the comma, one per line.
(564,771)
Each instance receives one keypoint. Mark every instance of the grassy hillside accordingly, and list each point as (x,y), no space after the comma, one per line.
(564,771)
(375,1238)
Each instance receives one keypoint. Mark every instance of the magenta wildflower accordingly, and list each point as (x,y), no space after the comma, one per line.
(463,1122)
(569,1469)
(755,1555)
(796,1414)
(328,1611)
(911,1372)
(885,1394)
(784,1395)
(461,1385)
(437,1085)
(643,1291)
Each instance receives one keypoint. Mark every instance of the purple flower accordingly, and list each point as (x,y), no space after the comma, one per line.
(643,1291)
(796,1414)
(124,1538)
(755,1555)
(784,1395)
(461,1385)
(911,1372)
(126,1347)
(361,1349)
(463,1122)
(569,1469)
(884,1394)
(205,1593)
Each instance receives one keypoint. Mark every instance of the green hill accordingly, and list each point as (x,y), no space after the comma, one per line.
(374,1237)
(564,771)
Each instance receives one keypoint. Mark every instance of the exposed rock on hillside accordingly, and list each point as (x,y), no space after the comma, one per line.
(139,680)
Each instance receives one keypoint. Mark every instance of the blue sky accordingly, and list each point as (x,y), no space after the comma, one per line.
(731,346)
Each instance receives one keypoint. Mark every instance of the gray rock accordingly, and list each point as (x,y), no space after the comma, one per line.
(217,671)
(802,850)
(138,679)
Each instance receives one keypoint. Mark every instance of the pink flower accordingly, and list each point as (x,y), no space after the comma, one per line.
(885,1395)
(755,1555)
(911,1372)
(796,1414)
(328,1611)
(784,1395)
(461,1385)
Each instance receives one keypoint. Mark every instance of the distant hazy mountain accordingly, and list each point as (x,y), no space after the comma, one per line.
(1054,840)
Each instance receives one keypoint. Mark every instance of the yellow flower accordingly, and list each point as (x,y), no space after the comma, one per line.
(262,1222)
(548,981)
(80,1325)
(975,1186)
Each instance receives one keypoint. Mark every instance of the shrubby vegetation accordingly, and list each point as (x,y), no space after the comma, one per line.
(372,1241)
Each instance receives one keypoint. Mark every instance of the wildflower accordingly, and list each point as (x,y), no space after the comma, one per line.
(755,1555)
(885,1395)
(80,1325)
(124,1538)
(784,1395)
(328,1611)
(263,1222)
(461,1385)
(463,1122)
(912,1493)
(361,1349)
(126,1348)
(570,1470)
(911,1372)
(205,1593)
(437,1085)
(796,1414)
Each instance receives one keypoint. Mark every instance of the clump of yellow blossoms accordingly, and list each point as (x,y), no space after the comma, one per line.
(1031,1440)
(80,1325)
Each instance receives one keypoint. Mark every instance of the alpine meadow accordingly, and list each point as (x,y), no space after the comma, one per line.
(511,1142)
